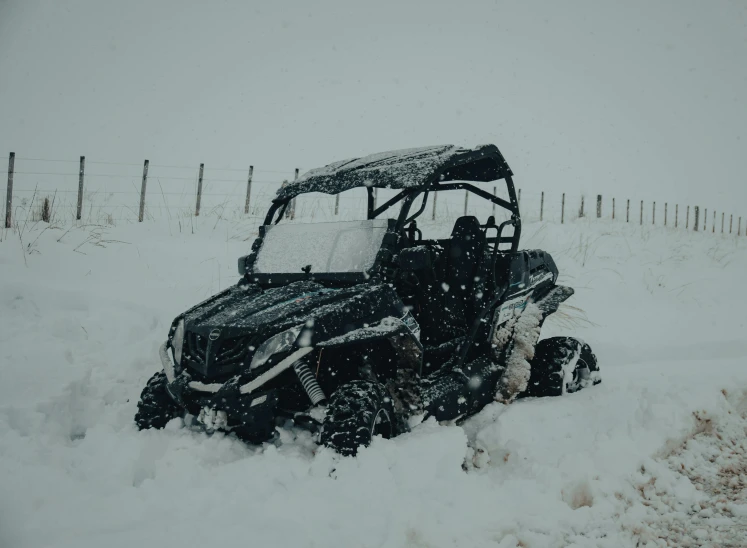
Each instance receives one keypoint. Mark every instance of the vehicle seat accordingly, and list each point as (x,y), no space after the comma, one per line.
(464,256)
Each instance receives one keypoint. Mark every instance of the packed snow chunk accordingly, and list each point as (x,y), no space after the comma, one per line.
(521,333)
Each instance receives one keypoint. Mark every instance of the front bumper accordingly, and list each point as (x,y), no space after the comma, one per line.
(246,406)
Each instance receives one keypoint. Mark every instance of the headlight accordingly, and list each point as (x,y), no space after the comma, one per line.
(177,342)
(277,343)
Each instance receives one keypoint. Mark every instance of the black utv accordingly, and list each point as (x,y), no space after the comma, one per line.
(359,328)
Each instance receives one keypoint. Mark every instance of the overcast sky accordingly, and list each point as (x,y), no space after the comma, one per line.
(647,99)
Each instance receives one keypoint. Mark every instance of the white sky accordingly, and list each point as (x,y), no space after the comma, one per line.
(639,99)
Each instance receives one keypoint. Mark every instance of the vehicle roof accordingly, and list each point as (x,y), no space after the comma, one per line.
(400,169)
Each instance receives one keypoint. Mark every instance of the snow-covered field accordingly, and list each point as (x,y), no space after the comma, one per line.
(654,456)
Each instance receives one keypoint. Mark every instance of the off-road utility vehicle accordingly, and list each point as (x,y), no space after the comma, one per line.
(357,328)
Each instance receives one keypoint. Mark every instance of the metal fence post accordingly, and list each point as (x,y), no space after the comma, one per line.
(248,189)
(199,190)
(142,192)
(653,214)
(613,209)
(641,212)
(697,218)
(581,209)
(687,218)
(80,186)
(665,213)
(627,212)
(599,206)
(562,209)
(731,221)
(9,196)
(676,214)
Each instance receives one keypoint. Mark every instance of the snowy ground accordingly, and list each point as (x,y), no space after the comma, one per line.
(654,456)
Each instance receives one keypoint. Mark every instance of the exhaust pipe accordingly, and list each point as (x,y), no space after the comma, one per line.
(309,383)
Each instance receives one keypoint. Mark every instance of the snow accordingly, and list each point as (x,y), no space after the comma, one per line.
(654,454)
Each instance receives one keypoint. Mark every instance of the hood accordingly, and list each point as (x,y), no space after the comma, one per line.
(222,332)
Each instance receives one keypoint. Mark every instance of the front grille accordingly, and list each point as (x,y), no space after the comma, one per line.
(226,355)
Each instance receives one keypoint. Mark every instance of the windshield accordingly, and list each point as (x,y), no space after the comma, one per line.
(347,246)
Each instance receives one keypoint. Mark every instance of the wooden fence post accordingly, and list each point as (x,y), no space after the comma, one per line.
(627,212)
(542,205)
(687,218)
(248,189)
(466,198)
(676,214)
(433,214)
(697,215)
(562,209)
(518,200)
(293,201)
(80,187)
(613,209)
(722,222)
(599,206)
(581,210)
(739,227)
(665,213)
(199,190)
(337,203)
(9,196)
(731,221)
(713,224)
(142,192)
(495,190)
(705,219)
(653,214)
(641,212)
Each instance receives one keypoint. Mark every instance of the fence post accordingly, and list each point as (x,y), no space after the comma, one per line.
(705,219)
(495,190)
(562,209)
(199,191)
(665,213)
(248,189)
(142,192)
(687,218)
(599,206)
(739,227)
(627,212)
(433,214)
(466,198)
(676,214)
(518,200)
(293,201)
(613,209)
(713,224)
(731,221)
(80,186)
(653,214)
(697,215)
(337,203)
(581,210)
(641,212)
(9,196)
(542,205)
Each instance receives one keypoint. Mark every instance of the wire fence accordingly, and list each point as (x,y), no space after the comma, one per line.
(108,192)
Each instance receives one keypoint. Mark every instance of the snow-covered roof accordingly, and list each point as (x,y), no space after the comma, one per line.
(407,168)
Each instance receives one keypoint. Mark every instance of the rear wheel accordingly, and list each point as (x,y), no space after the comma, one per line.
(561,365)
(358,411)
(156,408)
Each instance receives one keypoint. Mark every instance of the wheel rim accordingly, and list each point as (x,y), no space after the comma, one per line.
(382,424)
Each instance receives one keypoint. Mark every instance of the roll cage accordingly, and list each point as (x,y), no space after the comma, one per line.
(408,197)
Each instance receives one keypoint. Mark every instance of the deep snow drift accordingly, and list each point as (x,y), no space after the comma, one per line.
(654,454)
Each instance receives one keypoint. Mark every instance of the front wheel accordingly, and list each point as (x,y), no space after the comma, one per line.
(561,365)
(357,411)
(156,408)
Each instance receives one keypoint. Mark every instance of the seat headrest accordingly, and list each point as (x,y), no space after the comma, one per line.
(467,226)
